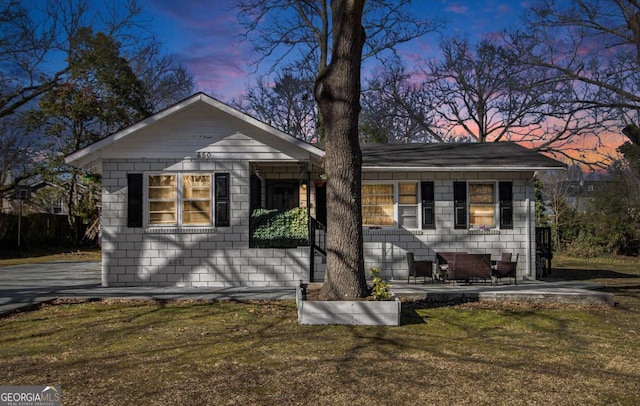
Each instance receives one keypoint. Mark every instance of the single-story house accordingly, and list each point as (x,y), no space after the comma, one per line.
(179,188)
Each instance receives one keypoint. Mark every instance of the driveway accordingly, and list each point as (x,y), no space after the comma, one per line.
(25,285)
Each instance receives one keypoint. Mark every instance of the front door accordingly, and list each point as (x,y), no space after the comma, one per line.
(282,194)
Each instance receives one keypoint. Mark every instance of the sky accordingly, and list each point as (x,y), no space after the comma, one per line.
(204,35)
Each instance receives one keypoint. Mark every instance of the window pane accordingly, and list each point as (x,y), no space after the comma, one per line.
(197,212)
(162,180)
(408,188)
(162,193)
(408,199)
(377,205)
(162,187)
(481,193)
(408,216)
(162,212)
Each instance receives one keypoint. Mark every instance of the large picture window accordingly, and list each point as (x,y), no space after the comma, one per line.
(377,205)
(179,199)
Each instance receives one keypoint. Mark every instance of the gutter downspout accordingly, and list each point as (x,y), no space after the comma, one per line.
(309,228)
(528,228)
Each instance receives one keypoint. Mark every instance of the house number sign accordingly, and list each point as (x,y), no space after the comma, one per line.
(204,155)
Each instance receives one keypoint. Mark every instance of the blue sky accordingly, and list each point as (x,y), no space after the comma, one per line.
(204,35)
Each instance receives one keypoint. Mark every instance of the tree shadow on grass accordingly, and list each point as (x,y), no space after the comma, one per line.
(572,274)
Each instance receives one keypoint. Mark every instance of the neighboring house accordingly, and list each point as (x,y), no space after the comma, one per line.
(27,192)
(179,187)
(582,193)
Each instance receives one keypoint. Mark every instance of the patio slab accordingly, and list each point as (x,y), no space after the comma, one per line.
(22,286)
(569,292)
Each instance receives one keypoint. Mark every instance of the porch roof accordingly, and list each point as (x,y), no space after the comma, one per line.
(494,156)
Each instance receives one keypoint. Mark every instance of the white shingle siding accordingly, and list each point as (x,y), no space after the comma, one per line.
(203,256)
(386,249)
(221,257)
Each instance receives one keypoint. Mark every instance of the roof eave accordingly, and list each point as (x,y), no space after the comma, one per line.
(461,168)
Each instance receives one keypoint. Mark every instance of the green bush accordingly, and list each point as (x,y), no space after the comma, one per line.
(279,229)
(586,245)
(380,289)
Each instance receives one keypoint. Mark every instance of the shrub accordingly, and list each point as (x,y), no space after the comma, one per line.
(279,229)
(380,288)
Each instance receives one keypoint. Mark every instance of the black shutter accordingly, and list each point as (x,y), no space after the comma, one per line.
(134,200)
(223,208)
(428,209)
(506,204)
(255,193)
(460,204)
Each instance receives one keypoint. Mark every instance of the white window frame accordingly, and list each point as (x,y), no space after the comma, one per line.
(179,199)
(396,204)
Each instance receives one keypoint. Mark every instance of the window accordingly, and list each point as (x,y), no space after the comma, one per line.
(482,205)
(175,199)
(408,205)
(377,205)
(196,200)
(162,199)
(384,205)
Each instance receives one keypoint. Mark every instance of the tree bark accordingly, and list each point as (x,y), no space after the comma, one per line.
(337,92)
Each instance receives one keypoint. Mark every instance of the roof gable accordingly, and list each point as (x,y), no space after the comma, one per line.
(240,125)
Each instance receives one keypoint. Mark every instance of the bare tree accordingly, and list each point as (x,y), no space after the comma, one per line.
(166,82)
(287,103)
(337,92)
(594,45)
(277,28)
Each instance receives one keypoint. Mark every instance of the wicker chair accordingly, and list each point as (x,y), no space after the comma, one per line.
(506,268)
(418,268)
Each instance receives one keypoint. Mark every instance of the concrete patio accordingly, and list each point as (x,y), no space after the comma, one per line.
(22,286)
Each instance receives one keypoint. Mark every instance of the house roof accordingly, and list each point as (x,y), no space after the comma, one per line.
(500,156)
(86,155)
(495,156)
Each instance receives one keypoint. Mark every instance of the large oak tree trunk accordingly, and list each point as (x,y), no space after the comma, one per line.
(338,95)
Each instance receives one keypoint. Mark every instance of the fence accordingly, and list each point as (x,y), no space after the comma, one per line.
(39,228)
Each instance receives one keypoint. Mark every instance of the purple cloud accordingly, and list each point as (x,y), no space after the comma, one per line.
(205,37)
(457,8)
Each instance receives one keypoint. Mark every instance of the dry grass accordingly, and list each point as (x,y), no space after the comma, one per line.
(48,254)
(118,353)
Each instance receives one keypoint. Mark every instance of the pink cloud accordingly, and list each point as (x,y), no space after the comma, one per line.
(457,8)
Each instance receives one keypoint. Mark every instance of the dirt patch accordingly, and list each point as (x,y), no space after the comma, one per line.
(314,292)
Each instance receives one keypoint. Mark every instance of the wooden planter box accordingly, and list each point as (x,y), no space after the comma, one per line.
(352,312)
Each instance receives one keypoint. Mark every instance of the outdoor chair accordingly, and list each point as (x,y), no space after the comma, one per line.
(506,268)
(418,268)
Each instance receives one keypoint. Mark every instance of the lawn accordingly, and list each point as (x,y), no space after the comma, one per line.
(119,353)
